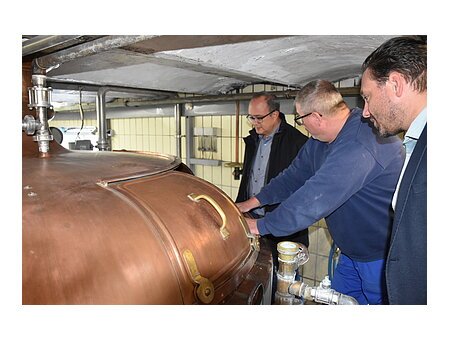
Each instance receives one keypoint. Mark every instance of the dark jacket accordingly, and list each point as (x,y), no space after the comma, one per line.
(285,146)
(406,265)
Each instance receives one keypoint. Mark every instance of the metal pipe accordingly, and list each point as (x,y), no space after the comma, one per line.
(321,294)
(236,146)
(100,102)
(70,84)
(289,94)
(102,144)
(39,99)
(290,256)
(324,294)
(46,42)
(40,65)
(177,110)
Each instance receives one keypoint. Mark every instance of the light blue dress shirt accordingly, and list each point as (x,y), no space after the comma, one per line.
(409,143)
(260,166)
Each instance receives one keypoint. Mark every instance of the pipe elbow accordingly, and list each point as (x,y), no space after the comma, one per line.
(347,300)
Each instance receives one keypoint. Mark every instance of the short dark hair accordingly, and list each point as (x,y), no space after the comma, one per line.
(271,100)
(320,95)
(406,55)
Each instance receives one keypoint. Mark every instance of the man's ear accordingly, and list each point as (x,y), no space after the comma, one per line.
(317,117)
(397,83)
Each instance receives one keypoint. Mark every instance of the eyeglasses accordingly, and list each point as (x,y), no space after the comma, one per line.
(253,119)
(299,119)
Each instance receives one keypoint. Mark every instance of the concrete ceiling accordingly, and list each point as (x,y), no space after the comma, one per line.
(208,65)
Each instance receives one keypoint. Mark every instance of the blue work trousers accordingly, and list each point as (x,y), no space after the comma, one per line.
(365,281)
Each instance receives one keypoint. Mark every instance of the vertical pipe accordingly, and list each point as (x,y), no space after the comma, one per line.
(100,102)
(189,141)
(287,266)
(178,108)
(236,146)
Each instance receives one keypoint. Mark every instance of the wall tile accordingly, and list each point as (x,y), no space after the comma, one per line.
(198,170)
(152,143)
(152,126)
(172,128)
(158,126)
(324,241)
(140,126)
(207,173)
(226,126)
(166,126)
(226,176)
(234,193)
(173,147)
(309,282)
(228,150)
(126,142)
(207,121)
(145,127)
(216,175)
(309,268)
(183,125)
(146,143)
(321,268)
(217,123)
(166,144)
(120,126)
(312,232)
(133,142)
(139,143)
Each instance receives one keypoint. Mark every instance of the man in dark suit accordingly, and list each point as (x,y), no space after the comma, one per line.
(394,88)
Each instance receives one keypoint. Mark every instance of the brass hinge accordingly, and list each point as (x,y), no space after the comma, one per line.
(205,289)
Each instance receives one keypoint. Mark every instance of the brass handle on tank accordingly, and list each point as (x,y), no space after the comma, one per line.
(223,229)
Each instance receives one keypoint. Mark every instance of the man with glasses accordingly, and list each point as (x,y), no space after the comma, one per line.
(345,174)
(270,147)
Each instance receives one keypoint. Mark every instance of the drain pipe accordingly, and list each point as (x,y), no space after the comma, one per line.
(291,255)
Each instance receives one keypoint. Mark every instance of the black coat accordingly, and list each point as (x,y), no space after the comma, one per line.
(406,264)
(285,146)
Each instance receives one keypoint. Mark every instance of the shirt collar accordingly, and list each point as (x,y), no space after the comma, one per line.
(416,127)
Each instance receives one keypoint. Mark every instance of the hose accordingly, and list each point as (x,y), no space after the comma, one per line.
(332,260)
